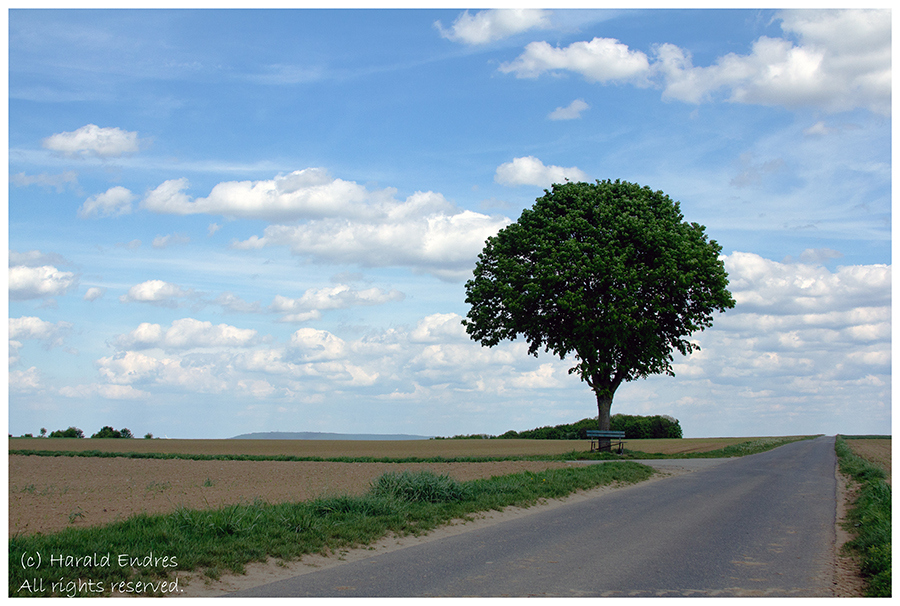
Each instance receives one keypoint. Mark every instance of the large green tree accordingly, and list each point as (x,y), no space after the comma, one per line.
(607,272)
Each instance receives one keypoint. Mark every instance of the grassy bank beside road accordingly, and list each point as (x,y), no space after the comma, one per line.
(869,518)
(160,550)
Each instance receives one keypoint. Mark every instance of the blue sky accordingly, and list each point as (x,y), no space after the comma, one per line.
(223,222)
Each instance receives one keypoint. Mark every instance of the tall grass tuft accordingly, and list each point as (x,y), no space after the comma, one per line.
(420,486)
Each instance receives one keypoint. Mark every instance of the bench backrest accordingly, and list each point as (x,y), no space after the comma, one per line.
(594,433)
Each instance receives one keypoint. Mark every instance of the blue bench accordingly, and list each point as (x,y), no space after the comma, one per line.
(613,436)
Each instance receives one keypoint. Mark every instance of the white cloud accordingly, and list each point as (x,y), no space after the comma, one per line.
(93,293)
(570,112)
(91,140)
(423,232)
(155,292)
(842,61)
(600,60)
(341,296)
(490,25)
(171,373)
(25,380)
(762,285)
(344,222)
(113,202)
(308,193)
(187,333)
(37,282)
(531,171)
(30,327)
(191,333)
(439,328)
(802,338)
(168,240)
(317,345)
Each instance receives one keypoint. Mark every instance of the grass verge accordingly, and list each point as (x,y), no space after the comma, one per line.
(144,555)
(869,519)
(734,450)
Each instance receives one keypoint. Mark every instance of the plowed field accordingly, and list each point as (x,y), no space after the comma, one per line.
(50,493)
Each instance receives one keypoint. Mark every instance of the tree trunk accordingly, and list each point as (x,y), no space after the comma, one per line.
(604,404)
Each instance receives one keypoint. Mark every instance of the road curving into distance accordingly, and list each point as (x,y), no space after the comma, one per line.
(760,525)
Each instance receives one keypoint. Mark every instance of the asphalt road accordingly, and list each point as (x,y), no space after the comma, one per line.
(756,525)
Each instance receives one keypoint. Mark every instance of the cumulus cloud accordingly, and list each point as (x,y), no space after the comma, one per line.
(172,373)
(491,25)
(841,61)
(600,60)
(113,202)
(341,221)
(531,171)
(32,328)
(156,292)
(763,285)
(341,296)
(302,194)
(37,282)
(91,140)
(187,333)
(570,112)
(803,339)
(439,328)
(424,232)
(25,380)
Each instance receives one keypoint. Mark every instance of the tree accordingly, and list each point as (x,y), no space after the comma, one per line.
(106,432)
(609,273)
(71,432)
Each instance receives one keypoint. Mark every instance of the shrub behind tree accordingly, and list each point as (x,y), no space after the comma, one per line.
(109,432)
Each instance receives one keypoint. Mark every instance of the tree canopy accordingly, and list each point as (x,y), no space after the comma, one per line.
(607,272)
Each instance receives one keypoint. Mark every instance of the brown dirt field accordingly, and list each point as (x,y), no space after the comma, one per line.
(363,448)
(876,451)
(48,494)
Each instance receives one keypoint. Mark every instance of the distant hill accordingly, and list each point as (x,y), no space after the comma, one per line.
(314,435)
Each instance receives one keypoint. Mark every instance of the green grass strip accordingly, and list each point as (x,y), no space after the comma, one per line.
(735,450)
(149,555)
(869,519)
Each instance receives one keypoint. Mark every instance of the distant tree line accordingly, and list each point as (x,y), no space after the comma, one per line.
(73,432)
(635,428)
